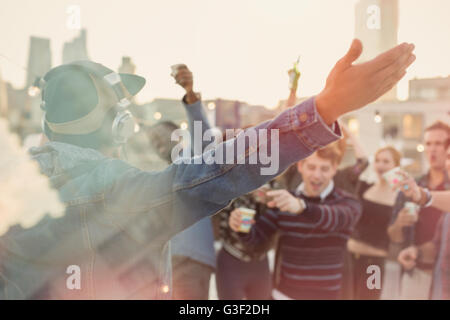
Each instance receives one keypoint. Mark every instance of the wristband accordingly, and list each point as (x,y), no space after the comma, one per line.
(428,198)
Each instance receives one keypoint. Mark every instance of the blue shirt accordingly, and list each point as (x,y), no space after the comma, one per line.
(196,242)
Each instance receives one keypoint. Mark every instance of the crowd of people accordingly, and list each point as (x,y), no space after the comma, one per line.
(137,234)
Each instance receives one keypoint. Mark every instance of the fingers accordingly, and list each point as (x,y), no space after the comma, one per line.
(407,258)
(234,220)
(352,54)
(282,204)
(389,76)
(389,84)
(396,67)
(281,198)
(275,193)
(389,57)
(412,253)
(407,263)
(234,225)
(403,174)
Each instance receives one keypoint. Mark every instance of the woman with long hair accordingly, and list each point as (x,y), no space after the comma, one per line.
(369,244)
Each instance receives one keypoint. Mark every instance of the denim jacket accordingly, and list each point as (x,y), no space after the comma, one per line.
(119,219)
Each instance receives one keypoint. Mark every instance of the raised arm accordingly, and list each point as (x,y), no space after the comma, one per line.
(186,192)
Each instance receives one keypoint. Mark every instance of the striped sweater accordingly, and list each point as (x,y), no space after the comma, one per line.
(311,246)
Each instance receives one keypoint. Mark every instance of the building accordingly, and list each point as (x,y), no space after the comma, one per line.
(39,59)
(23,104)
(376,25)
(430,89)
(75,49)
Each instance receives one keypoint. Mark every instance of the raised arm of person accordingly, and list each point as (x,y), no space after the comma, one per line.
(186,192)
(193,106)
(360,152)
(349,176)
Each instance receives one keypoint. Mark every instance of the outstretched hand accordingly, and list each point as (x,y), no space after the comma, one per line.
(350,87)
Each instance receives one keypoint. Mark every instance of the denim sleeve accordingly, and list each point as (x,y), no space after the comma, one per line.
(191,189)
(196,114)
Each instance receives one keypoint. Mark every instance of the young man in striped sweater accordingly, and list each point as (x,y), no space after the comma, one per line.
(314,222)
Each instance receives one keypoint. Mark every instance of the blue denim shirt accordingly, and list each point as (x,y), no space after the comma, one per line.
(196,242)
(119,219)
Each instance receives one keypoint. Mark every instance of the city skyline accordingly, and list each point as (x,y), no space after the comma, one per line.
(234,49)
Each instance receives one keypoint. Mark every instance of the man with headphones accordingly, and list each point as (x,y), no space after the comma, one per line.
(111,243)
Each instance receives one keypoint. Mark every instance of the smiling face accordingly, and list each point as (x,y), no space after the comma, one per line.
(435,148)
(384,161)
(317,173)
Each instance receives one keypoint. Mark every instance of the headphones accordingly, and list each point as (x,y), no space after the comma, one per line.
(123,126)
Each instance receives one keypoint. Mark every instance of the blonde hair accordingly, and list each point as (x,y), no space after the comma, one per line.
(396,155)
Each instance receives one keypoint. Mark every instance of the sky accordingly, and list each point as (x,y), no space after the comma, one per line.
(237,49)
